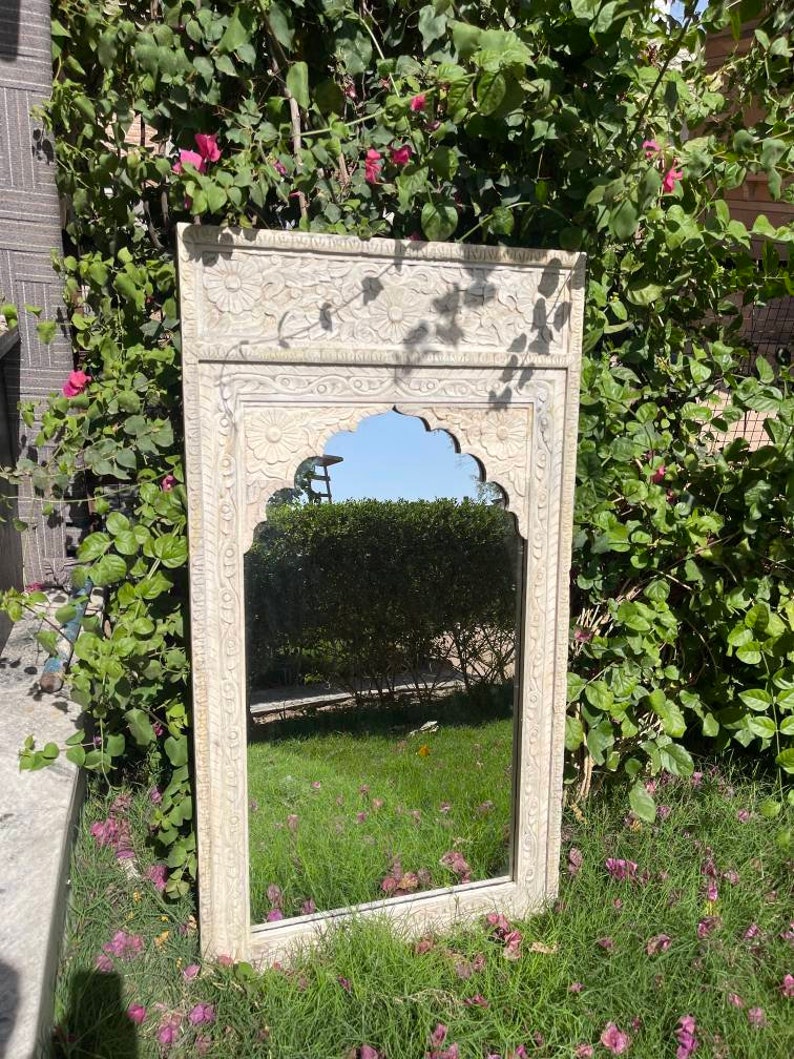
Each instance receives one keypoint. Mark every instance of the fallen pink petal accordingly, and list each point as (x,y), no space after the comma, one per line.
(757,1017)
(136,1013)
(615,1040)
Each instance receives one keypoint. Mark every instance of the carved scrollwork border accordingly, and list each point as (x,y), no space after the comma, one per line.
(248,425)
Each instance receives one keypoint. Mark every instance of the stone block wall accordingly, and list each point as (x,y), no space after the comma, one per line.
(30,229)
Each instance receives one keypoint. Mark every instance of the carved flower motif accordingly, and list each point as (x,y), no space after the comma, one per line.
(395,312)
(278,437)
(503,434)
(233,286)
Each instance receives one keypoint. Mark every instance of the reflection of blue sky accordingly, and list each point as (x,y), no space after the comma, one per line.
(393,457)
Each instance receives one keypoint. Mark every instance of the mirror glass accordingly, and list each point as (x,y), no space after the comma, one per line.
(382,597)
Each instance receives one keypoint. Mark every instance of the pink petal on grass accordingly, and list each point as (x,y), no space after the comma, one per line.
(787,986)
(756,1017)
(658,943)
(615,1040)
(575,859)
(136,1013)
(191,971)
(583,1051)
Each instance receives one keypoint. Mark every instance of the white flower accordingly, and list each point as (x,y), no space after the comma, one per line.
(232,285)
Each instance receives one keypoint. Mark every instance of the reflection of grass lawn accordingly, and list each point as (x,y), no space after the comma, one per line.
(342,817)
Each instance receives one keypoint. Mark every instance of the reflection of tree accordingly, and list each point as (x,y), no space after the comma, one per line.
(372,596)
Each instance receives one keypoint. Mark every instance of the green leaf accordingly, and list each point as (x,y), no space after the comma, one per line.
(46,330)
(674,758)
(491,90)
(574,733)
(763,727)
(176,749)
(280,22)
(668,712)
(298,84)
(770,808)
(114,745)
(756,699)
(238,30)
(140,726)
(92,547)
(623,220)
(171,550)
(108,570)
(786,760)
(642,803)
(439,220)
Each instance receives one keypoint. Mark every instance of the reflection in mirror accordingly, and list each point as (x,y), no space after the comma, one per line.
(381,629)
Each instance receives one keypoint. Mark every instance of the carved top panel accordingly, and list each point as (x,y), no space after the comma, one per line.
(283,296)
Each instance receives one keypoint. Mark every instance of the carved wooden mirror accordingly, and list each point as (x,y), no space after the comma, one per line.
(289,339)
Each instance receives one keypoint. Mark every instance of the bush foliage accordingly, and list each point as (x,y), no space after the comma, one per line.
(549,123)
(369,593)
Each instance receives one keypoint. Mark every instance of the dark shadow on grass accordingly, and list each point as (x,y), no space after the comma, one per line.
(96,1024)
(470,709)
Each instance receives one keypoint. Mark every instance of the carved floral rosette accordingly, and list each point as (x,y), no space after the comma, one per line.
(289,338)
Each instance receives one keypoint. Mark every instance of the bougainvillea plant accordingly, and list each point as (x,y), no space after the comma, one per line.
(570,124)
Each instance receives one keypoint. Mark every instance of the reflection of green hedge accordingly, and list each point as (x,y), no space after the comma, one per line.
(366,590)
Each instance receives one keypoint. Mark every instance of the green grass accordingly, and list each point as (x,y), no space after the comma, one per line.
(336,811)
(367,985)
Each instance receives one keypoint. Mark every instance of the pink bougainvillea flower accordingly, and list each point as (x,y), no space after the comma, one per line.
(136,1013)
(274,915)
(512,941)
(743,816)
(401,155)
(478,1000)
(788,935)
(685,1035)
(274,894)
(575,987)
(345,983)
(457,864)
(202,1044)
(424,945)
(615,1040)
(712,890)
(708,925)
(366,1051)
(124,946)
(308,907)
(606,943)
(658,943)
(280,168)
(167,484)
(361,817)
(651,147)
(377,803)
(583,1051)
(317,786)
(169,1029)
(658,475)
(787,986)
(671,178)
(621,869)
(75,384)
(225,960)
(158,876)
(292,822)
(191,971)
(155,796)
(201,1014)
(418,102)
(756,1017)
(103,963)
(190,158)
(575,858)
(372,166)
(735,1000)
(752,932)
(583,635)
(208,148)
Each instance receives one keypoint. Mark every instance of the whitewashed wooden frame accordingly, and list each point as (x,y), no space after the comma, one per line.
(287,339)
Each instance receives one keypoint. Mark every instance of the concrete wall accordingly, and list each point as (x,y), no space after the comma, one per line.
(29,230)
